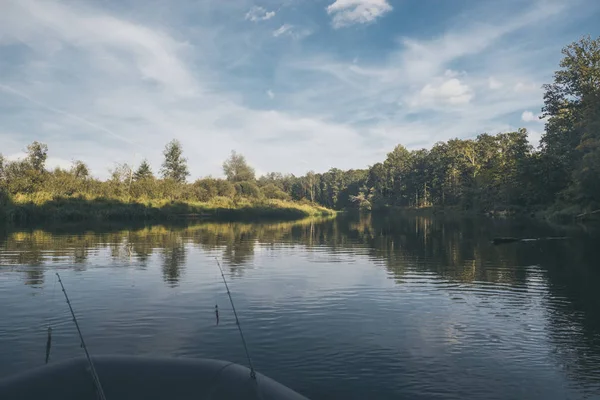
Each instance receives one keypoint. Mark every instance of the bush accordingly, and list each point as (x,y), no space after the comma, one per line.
(248,189)
(225,188)
(270,191)
(205,189)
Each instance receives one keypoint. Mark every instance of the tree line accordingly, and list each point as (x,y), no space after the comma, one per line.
(29,178)
(490,172)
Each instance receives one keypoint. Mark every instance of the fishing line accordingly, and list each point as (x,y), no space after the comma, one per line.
(237,322)
(87,355)
(49,338)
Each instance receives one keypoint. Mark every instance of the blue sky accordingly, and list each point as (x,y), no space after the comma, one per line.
(294,85)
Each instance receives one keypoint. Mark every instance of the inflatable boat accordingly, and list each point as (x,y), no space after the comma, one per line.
(138,378)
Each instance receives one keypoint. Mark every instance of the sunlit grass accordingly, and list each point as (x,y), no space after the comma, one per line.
(44,206)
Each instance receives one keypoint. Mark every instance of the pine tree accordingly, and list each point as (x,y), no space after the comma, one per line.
(143,172)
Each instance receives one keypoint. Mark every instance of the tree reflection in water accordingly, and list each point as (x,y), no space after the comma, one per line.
(455,250)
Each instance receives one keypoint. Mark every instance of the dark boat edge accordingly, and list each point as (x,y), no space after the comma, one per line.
(134,377)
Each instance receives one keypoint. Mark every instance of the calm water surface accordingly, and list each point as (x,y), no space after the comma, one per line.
(359,307)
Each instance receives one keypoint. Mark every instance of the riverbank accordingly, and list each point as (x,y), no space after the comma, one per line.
(555,215)
(25,209)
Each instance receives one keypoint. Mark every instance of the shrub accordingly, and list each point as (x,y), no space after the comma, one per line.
(248,189)
(270,191)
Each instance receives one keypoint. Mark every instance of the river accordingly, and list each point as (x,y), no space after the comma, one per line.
(377,307)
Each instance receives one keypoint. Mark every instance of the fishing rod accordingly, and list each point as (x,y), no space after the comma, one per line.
(87,355)
(237,322)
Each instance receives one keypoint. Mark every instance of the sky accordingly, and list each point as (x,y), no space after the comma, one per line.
(294,85)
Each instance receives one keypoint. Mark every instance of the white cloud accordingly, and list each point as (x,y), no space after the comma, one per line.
(528,116)
(257,13)
(292,31)
(270,94)
(350,12)
(521,87)
(451,91)
(452,74)
(535,136)
(494,84)
(51,162)
(285,28)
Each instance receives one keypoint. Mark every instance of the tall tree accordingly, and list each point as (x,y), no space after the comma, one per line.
(236,168)
(37,153)
(175,165)
(143,172)
(311,183)
(1,168)
(396,165)
(80,170)
(571,104)
(121,173)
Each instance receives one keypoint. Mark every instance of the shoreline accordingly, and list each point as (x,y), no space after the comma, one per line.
(560,216)
(107,209)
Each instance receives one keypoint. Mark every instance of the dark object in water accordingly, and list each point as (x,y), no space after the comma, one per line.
(133,378)
(503,240)
(588,214)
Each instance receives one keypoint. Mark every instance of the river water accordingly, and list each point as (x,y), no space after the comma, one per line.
(377,307)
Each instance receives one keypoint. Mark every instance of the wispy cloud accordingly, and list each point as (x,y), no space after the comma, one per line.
(493,83)
(291,31)
(283,29)
(22,95)
(350,12)
(50,25)
(257,13)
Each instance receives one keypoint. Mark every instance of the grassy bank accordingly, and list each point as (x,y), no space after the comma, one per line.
(40,207)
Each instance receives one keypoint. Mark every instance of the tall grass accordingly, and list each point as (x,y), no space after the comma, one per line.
(41,206)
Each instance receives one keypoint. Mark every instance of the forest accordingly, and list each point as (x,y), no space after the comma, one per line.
(490,173)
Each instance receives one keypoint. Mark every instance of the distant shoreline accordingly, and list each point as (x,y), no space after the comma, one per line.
(558,215)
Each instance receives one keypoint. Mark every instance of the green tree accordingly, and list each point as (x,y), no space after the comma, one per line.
(2,162)
(310,182)
(275,178)
(80,170)
(143,172)
(37,153)
(236,168)
(571,104)
(396,165)
(20,177)
(175,165)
